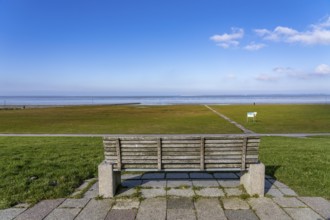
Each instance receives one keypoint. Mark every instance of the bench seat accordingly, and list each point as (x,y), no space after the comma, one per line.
(180,153)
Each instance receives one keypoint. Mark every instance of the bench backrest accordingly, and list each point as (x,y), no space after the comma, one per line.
(181,152)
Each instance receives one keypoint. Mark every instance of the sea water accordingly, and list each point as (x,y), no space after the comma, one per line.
(164,100)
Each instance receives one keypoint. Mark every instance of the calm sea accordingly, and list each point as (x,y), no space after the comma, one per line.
(164,100)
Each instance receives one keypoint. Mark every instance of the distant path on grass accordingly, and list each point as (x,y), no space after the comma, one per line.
(246,131)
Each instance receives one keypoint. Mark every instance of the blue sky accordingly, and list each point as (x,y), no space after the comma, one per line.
(164,47)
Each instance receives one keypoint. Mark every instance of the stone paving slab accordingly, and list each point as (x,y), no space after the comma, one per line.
(274,193)
(287,202)
(209,209)
(154,183)
(129,176)
(63,214)
(126,192)
(74,203)
(180,203)
(201,176)
(235,204)
(11,213)
(225,176)
(240,215)
(288,192)
(179,183)
(229,183)
(233,191)
(277,183)
(121,214)
(210,192)
(95,209)
(266,209)
(302,213)
(153,176)
(126,204)
(151,193)
(318,204)
(205,183)
(181,192)
(182,214)
(40,210)
(177,176)
(131,183)
(152,209)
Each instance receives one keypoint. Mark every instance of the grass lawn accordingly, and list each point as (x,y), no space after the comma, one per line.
(184,119)
(301,163)
(281,118)
(36,168)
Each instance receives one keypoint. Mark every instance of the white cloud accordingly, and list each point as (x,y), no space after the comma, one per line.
(254,46)
(317,34)
(322,69)
(227,40)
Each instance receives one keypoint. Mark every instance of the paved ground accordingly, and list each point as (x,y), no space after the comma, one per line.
(192,195)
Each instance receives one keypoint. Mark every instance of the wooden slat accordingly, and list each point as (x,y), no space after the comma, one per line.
(180,161)
(169,153)
(138,145)
(139,161)
(118,154)
(181,149)
(223,145)
(197,141)
(223,157)
(181,166)
(139,149)
(234,165)
(159,153)
(140,166)
(214,149)
(110,153)
(139,158)
(219,153)
(202,154)
(146,142)
(223,161)
(223,141)
(136,153)
(182,145)
(180,157)
(244,153)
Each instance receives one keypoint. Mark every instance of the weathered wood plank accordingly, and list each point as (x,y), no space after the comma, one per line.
(110,153)
(181,141)
(118,154)
(139,158)
(159,153)
(214,149)
(181,145)
(138,145)
(181,149)
(140,166)
(202,153)
(179,153)
(223,145)
(253,144)
(137,141)
(233,165)
(139,161)
(244,153)
(136,153)
(238,157)
(181,161)
(219,153)
(228,141)
(181,166)
(139,149)
(219,161)
(180,157)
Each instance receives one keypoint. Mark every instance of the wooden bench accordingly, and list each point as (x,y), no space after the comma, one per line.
(181,153)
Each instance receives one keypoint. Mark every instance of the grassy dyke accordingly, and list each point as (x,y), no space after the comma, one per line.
(177,119)
(281,118)
(36,168)
(301,163)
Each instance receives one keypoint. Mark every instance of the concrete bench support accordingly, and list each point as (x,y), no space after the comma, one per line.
(254,180)
(109,180)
